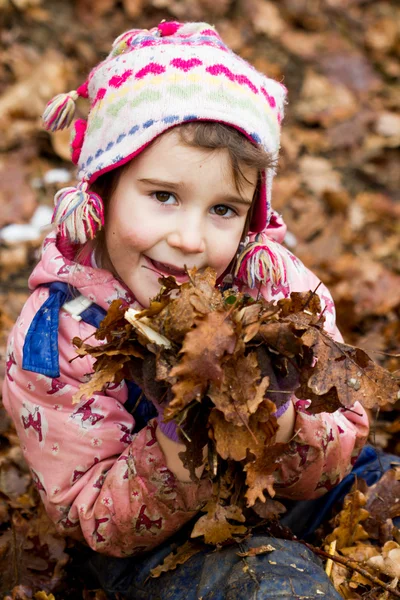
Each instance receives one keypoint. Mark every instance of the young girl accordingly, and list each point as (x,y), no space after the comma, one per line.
(176,162)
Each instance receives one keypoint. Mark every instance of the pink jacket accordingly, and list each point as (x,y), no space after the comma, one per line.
(102,484)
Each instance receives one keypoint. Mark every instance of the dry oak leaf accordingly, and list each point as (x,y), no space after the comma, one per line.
(324,102)
(383,501)
(182,554)
(32,553)
(280,337)
(196,298)
(300,301)
(233,442)
(44,596)
(259,474)
(389,561)
(202,352)
(113,318)
(270,509)
(349,527)
(241,391)
(215,526)
(109,371)
(343,375)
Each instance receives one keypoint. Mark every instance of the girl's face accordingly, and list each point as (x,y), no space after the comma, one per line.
(175,206)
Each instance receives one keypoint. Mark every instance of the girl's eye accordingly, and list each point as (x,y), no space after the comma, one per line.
(163,197)
(223,211)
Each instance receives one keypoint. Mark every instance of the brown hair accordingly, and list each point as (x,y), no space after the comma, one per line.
(199,134)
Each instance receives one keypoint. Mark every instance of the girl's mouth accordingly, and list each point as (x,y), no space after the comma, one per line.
(166,269)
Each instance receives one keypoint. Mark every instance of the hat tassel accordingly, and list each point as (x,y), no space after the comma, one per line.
(60,111)
(260,262)
(78,214)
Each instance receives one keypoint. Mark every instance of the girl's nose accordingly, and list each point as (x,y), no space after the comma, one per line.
(187,237)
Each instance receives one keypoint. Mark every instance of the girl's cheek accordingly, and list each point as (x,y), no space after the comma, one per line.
(137,234)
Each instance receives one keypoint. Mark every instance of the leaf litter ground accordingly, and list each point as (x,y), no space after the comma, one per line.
(337,188)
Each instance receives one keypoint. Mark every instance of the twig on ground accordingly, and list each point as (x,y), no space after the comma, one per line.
(355,566)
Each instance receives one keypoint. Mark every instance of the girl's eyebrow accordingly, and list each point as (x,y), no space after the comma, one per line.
(161,183)
(175,186)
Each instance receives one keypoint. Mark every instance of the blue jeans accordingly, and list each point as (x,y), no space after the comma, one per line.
(290,572)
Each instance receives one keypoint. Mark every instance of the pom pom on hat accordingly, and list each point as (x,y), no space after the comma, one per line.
(166,28)
(78,214)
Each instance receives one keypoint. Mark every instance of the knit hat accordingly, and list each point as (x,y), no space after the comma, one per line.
(151,81)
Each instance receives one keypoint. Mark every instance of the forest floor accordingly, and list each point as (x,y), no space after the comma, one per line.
(337,187)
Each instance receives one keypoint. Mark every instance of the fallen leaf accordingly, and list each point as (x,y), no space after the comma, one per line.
(265,17)
(349,522)
(389,562)
(215,527)
(259,474)
(270,509)
(32,554)
(179,557)
(383,501)
(323,102)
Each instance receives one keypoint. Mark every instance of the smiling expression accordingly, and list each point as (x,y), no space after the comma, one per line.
(175,206)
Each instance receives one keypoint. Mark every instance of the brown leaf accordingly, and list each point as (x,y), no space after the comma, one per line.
(179,557)
(109,370)
(280,337)
(133,8)
(215,526)
(266,18)
(89,10)
(113,319)
(323,102)
(256,551)
(48,76)
(17,198)
(202,352)
(32,554)
(389,562)
(300,301)
(260,473)
(342,375)
(195,298)
(383,501)
(241,390)
(233,442)
(349,528)
(270,509)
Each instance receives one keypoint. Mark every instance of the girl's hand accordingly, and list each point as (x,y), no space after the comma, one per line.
(171,450)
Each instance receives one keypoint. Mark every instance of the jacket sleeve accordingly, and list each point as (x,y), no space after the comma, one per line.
(98,482)
(325,446)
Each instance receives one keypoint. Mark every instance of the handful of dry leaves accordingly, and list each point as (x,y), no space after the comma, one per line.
(223,363)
